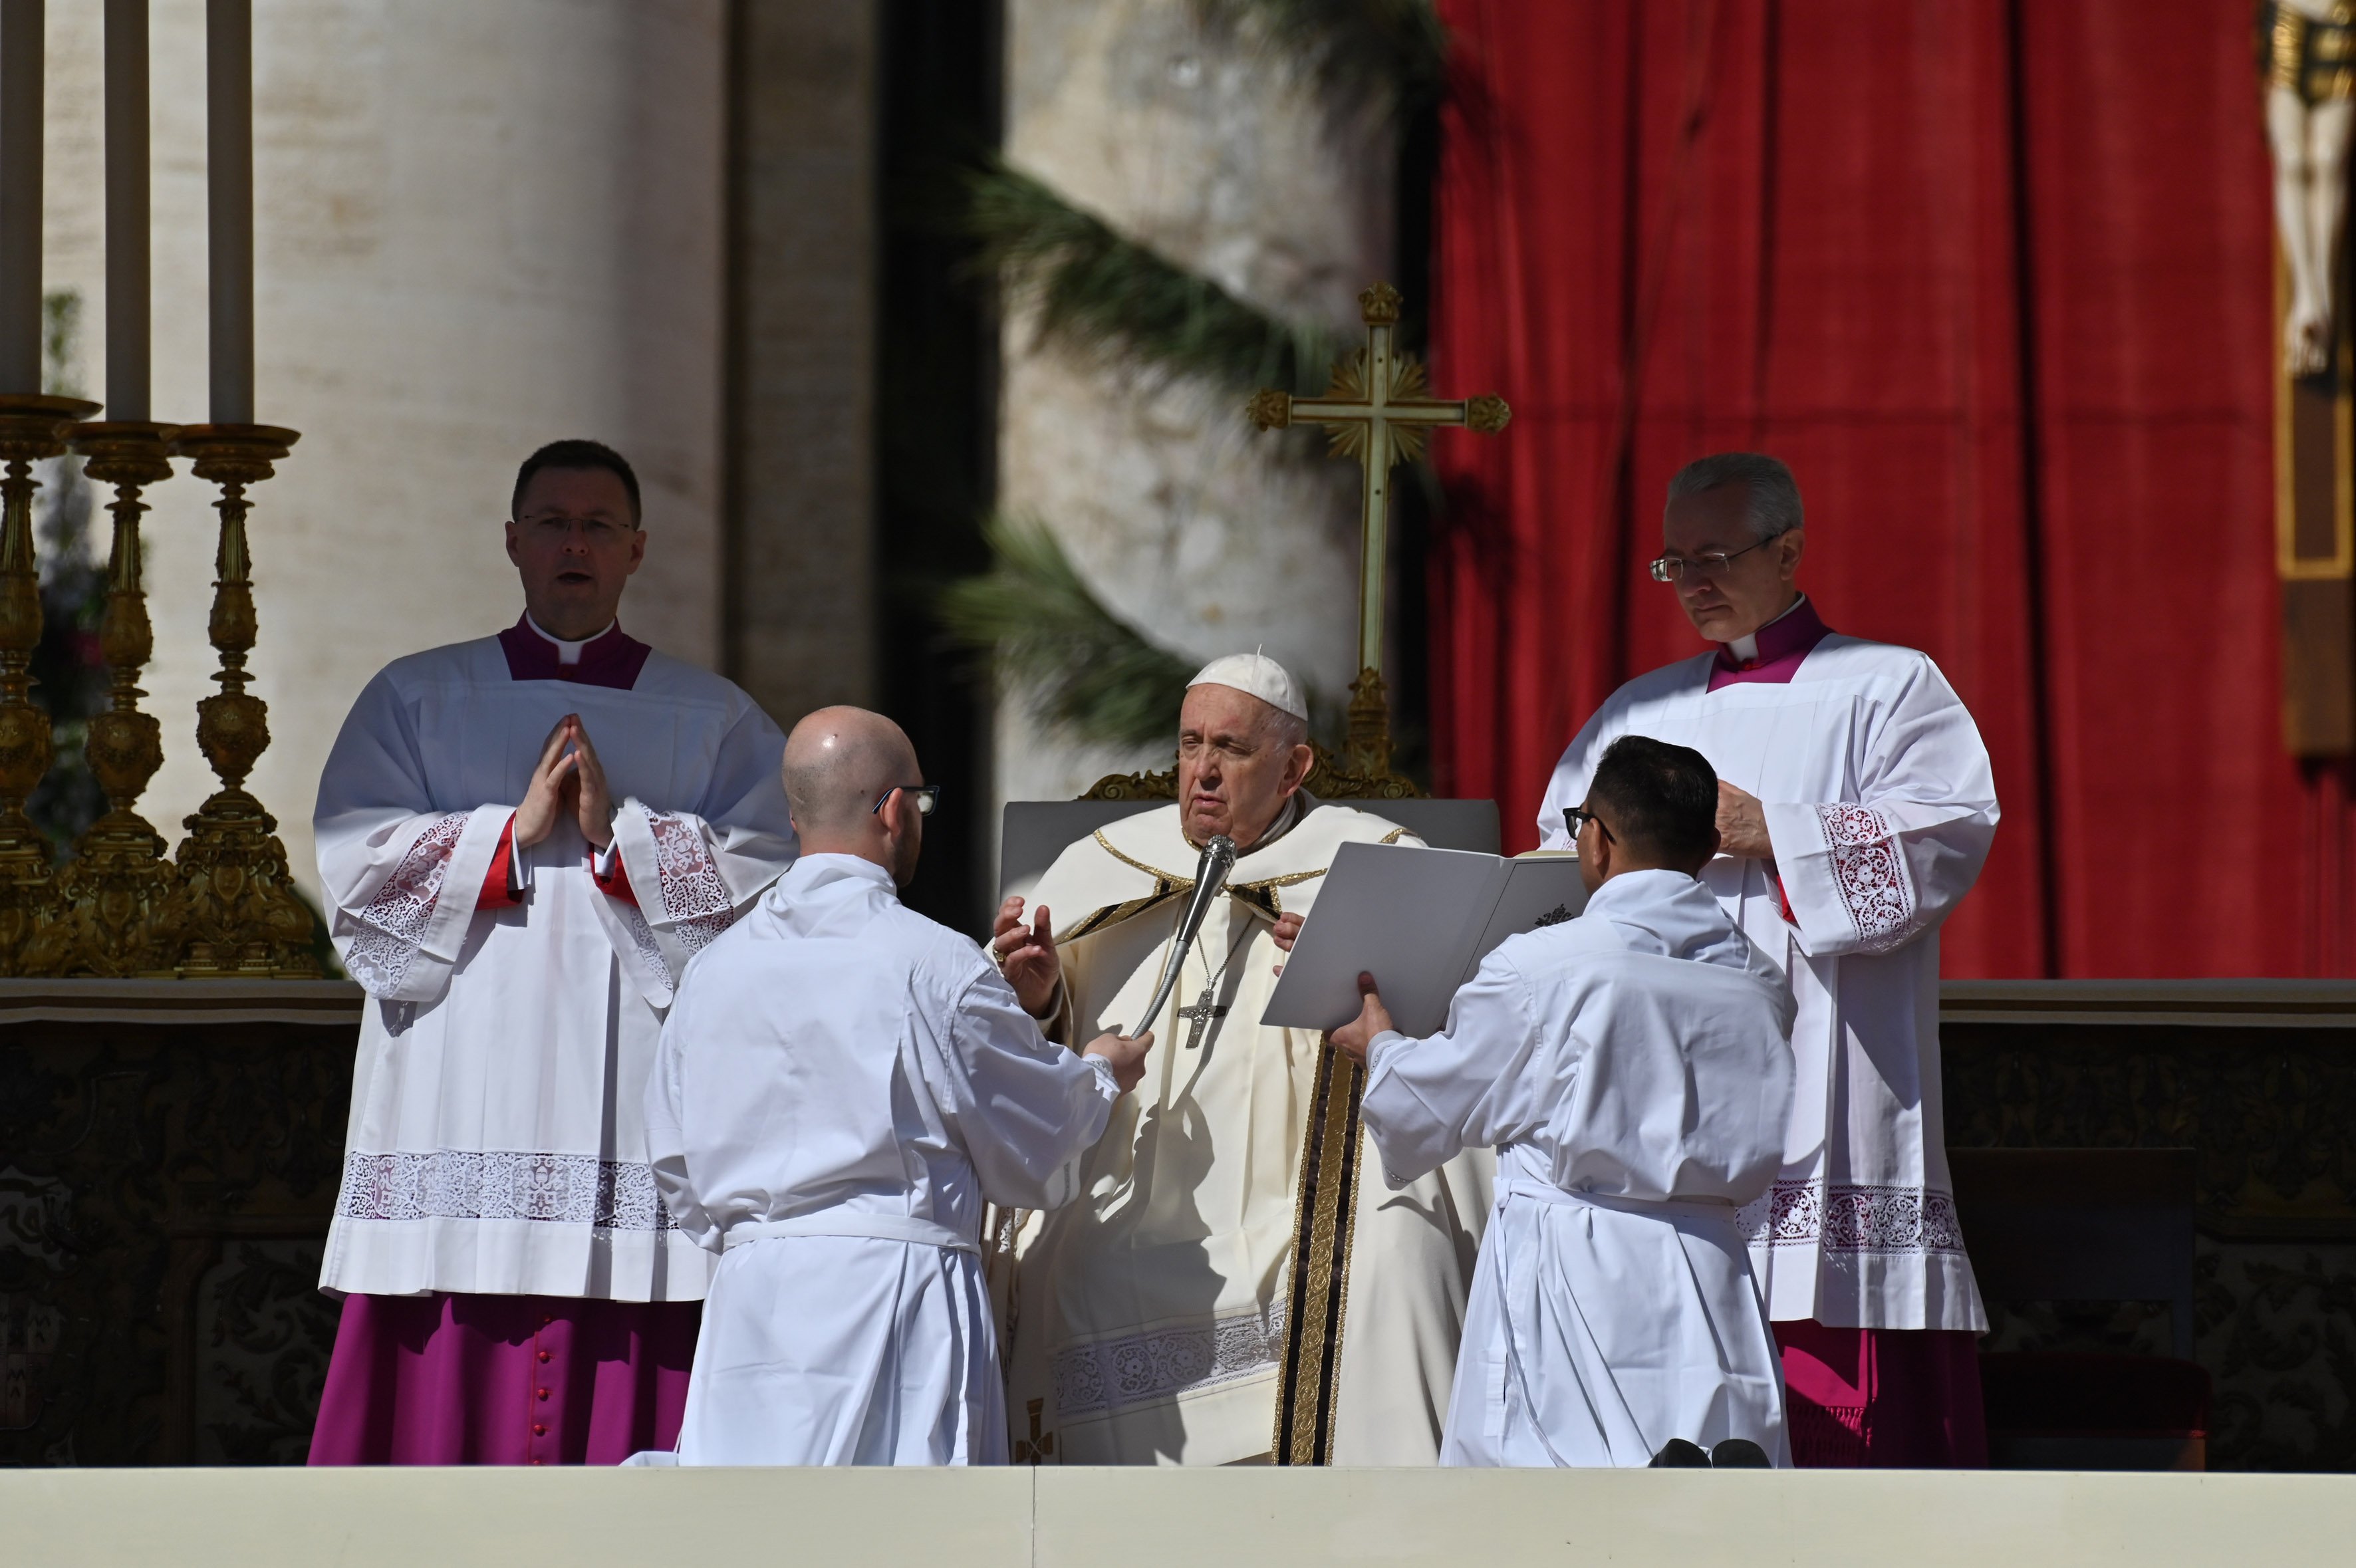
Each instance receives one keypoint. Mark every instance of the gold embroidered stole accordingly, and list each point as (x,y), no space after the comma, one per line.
(1318,1282)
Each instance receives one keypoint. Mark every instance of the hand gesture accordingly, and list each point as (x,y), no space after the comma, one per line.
(1353,1037)
(1026,956)
(1742,824)
(1127,1055)
(1284,933)
(595,802)
(546,797)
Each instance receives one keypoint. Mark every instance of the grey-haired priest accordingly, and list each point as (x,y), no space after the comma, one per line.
(1185,1308)
(1856,808)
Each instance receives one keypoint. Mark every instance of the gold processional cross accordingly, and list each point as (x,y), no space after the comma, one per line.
(1378,412)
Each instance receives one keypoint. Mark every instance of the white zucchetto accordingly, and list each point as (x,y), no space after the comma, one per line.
(1258,675)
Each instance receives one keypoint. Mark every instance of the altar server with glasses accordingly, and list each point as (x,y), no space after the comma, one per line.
(522,839)
(1632,1069)
(1856,808)
(842,1086)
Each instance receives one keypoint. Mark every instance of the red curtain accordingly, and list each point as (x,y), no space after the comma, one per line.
(1995,279)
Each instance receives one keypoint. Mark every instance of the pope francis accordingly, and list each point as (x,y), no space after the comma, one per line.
(1230,1287)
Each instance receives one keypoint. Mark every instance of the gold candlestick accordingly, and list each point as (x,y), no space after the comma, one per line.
(234,912)
(31,427)
(110,913)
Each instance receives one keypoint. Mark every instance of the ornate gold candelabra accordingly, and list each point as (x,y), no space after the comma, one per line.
(234,912)
(31,427)
(110,909)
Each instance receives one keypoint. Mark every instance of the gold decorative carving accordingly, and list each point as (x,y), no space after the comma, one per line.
(1161,786)
(110,913)
(234,912)
(31,429)
(1362,772)
(1380,413)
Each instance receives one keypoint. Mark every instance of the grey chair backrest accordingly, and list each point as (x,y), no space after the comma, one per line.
(2080,1225)
(1034,832)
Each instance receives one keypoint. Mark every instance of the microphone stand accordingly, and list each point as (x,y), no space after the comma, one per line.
(1210,876)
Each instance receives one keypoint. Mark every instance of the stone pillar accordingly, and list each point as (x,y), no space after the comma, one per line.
(479,228)
(1186,523)
(802,261)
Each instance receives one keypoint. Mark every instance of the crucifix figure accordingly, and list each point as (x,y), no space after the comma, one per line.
(1201,1016)
(1379,412)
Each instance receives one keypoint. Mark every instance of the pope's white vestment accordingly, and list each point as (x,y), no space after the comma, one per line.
(1880,806)
(495,1143)
(1632,1069)
(841,1086)
(1232,1284)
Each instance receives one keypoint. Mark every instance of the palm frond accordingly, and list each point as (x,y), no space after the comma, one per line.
(1100,292)
(1080,667)
(1356,48)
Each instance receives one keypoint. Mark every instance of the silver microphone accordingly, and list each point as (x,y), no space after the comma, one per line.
(1210,876)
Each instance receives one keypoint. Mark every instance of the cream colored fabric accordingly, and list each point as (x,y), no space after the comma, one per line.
(1146,1318)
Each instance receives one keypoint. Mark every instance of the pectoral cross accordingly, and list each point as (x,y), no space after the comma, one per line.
(1378,409)
(1200,1015)
(1040,1446)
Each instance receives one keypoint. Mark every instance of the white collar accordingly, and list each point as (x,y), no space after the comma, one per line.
(1746,649)
(567,652)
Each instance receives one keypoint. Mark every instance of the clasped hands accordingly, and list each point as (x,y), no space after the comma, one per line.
(1026,955)
(568,781)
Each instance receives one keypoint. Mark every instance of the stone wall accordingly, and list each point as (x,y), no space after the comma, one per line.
(1206,535)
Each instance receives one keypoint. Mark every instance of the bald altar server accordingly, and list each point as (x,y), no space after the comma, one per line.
(841,1087)
(522,839)
(1856,810)
(1632,1069)
(1188,1307)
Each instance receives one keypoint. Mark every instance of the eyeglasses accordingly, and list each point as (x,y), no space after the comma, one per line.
(593,530)
(1579,817)
(927,797)
(1670,568)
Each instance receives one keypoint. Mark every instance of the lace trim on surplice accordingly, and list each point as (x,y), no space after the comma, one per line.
(1869,872)
(694,898)
(1166,1363)
(393,923)
(1847,1218)
(502,1184)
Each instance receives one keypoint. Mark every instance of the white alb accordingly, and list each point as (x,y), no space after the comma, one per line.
(841,1085)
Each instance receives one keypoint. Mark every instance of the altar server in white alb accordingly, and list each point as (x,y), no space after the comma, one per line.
(1632,1069)
(842,1086)
(522,840)
(1856,808)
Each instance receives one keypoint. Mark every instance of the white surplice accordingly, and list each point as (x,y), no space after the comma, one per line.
(1148,1318)
(841,1085)
(1631,1069)
(1881,807)
(495,1143)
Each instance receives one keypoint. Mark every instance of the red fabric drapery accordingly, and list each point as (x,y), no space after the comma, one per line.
(1995,279)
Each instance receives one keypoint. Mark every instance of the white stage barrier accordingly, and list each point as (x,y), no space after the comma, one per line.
(1055,1518)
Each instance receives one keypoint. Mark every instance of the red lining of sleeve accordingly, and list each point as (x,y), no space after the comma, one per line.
(617,886)
(499,892)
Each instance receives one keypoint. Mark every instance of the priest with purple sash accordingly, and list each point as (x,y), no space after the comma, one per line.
(522,840)
(1856,808)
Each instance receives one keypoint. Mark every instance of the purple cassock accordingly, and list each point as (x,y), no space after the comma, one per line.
(513,1291)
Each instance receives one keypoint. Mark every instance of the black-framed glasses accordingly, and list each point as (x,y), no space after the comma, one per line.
(1670,568)
(927,797)
(1579,817)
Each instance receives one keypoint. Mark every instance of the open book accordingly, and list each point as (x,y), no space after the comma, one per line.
(1419,921)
